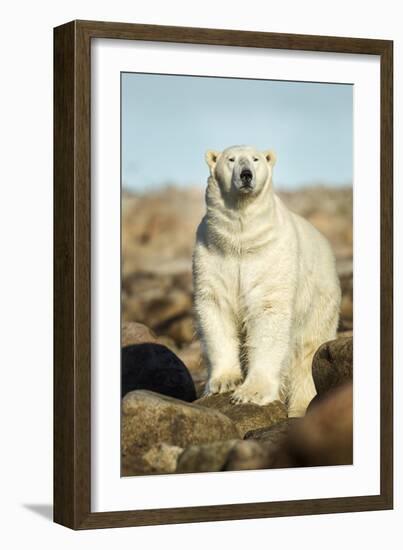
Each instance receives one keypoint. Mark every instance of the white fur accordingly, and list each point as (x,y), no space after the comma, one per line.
(266,290)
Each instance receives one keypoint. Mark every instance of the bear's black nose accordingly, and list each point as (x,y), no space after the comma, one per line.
(246,176)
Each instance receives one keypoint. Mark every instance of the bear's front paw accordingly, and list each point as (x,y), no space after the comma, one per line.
(222,383)
(252,393)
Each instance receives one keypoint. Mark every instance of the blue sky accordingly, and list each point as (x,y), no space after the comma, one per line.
(168,122)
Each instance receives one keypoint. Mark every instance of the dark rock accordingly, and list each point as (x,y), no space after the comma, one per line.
(332,364)
(246,416)
(210,457)
(156,368)
(317,399)
(324,437)
(149,419)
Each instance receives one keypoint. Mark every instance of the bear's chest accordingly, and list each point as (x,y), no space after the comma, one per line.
(244,279)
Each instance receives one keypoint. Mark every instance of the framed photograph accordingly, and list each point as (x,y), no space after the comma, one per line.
(223,208)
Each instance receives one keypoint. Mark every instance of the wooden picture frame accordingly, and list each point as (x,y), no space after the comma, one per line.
(72,271)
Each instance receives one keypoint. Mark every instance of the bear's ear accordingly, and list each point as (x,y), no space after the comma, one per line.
(270,157)
(211,158)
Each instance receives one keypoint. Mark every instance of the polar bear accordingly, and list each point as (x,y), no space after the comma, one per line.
(266,291)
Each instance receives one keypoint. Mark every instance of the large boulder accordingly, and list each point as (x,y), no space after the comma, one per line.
(246,416)
(332,364)
(156,368)
(324,437)
(149,419)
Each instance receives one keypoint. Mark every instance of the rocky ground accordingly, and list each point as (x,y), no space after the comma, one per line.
(166,426)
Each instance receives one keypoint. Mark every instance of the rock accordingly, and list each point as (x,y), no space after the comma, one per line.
(229,455)
(156,368)
(332,364)
(251,455)
(155,300)
(345,334)
(210,457)
(160,459)
(169,306)
(158,302)
(168,343)
(136,333)
(158,227)
(324,437)
(149,419)
(246,416)
(181,330)
(275,434)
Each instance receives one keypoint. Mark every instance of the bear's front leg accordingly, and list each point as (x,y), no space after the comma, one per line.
(268,346)
(220,344)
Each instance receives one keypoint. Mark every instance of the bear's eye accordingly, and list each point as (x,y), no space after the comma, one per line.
(255,159)
(231,159)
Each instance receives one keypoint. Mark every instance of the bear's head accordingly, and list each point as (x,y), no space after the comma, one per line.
(241,170)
